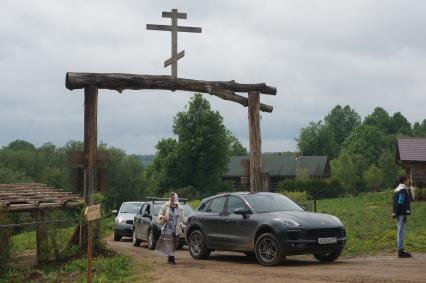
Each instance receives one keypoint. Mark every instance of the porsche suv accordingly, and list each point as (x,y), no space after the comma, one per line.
(267,225)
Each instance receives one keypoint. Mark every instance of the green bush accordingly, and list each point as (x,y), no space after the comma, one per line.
(317,189)
(298,197)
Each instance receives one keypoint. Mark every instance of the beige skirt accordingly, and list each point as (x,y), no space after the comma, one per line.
(166,245)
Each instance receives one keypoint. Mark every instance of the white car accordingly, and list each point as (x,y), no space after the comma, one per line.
(124,219)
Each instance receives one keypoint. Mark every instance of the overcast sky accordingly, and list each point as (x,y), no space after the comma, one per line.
(316,53)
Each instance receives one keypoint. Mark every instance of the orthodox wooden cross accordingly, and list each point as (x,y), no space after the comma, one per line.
(174,28)
(227,90)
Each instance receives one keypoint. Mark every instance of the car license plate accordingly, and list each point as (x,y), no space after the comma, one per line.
(323,241)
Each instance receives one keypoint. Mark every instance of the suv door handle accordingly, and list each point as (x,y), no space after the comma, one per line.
(226,220)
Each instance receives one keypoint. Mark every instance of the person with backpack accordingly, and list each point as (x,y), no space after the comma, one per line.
(401,210)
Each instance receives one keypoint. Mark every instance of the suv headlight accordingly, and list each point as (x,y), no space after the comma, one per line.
(288,222)
(119,220)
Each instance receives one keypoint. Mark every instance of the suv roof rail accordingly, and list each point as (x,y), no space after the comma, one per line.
(153,199)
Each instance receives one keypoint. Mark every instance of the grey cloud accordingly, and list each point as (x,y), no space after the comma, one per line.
(317,53)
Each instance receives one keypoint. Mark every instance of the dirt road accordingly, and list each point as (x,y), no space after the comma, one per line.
(236,267)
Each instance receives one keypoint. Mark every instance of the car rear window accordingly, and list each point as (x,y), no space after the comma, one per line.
(271,202)
(131,207)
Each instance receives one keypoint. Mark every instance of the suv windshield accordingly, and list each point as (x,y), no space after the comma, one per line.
(271,202)
(131,207)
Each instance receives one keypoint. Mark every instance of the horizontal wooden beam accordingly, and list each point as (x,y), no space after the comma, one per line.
(170,28)
(119,82)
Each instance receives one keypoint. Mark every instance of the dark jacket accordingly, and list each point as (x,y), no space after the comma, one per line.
(401,200)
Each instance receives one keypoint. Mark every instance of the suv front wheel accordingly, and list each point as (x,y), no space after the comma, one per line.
(197,245)
(135,241)
(268,250)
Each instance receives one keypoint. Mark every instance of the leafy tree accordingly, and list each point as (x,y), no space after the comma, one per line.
(161,174)
(341,121)
(367,141)
(400,125)
(317,139)
(126,181)
(202,146)
(235,146)
(380,119)
(419,129)
(346,169)
(20,145)
(373,178)
(390,170)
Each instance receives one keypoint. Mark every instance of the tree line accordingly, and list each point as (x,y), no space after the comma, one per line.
(362,152)
(191,164)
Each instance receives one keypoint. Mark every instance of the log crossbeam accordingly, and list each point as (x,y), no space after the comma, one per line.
(116,81)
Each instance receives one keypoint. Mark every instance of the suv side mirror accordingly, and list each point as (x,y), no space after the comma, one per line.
(114,212)
(241,211)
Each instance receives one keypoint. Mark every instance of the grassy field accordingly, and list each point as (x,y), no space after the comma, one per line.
(370,228)
(105,269)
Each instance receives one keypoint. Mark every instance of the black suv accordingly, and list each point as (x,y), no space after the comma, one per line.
(267,225)
(145,223)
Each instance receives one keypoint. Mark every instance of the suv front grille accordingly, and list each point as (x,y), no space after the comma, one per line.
(324,233)
(129,222)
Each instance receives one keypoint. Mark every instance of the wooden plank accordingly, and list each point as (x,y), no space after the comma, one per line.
(169,61)
(120,82)
(90,140)
(255,141)
(92,212)
(170,28)
(158,27)
(171,14)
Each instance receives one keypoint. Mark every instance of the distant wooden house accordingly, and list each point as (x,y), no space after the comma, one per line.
(411,155)
(279,168)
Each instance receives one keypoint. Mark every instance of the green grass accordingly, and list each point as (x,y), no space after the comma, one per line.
(370,228)
(105,269)
(27,240)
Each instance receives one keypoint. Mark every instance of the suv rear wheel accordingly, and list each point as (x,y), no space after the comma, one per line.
(329,257)
(197,245)
(268,250)
(135,241)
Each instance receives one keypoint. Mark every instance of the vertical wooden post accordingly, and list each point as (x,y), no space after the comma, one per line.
(174,43)
(90,141)
(4,239)
(255,141)
(90,145)
(41,237)
(89,252)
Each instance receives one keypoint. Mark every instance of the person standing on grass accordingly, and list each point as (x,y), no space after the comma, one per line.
(401,209)
(171,219)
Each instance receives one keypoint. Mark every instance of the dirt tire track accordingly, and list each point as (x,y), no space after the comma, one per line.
(236,267)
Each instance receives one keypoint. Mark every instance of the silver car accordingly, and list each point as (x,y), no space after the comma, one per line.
(124,219)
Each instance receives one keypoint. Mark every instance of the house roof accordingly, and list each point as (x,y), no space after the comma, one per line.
(283,166)
(412,149)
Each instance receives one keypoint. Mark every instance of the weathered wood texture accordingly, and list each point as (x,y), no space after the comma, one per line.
(41,237)
(4,239)
(90,141)
(255,141)
(30,197)
(119,82)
